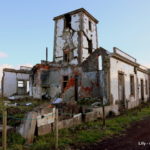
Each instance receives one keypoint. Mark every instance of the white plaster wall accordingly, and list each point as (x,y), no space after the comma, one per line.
(72,37)
(21,76)
(75,22)
(92,35)
(56,81)
(59,27)
(85,54)
(37,92)
(115,66)
(67,36)
(10,82)
(143,76)
(124,55)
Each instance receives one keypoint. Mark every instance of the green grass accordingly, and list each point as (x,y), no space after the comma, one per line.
(92,131)
(16,113)
(85,133)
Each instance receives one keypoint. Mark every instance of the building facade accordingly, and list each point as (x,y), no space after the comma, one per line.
(81,69)
(15,82)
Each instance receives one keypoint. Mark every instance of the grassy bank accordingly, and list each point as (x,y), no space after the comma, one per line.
(87,132)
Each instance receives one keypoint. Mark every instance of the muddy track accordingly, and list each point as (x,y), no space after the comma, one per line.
(137,137)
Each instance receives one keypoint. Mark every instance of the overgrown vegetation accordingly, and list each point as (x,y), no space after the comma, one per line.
(88,101)
(83,134)
(16,113)
(92,131)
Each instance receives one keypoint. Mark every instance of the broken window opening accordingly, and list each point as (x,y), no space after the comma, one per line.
(146,86)
(100,63)
(28,86)
(76,87)
(65,81)
(21,87)
(66,56)
(45,78)
(20,84)
(132,86)
(90,26)
(67,21)
(90,46)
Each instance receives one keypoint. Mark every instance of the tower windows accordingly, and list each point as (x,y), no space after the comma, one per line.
(66,57)
(90,46)
(65,81)
(132,85)
(90,26)
(67,21)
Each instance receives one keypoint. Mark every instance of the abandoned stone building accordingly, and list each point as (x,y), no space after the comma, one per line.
(15,82)
(80,68)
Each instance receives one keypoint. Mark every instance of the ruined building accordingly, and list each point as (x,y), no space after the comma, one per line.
(75,39)
(82,69)
(16,82)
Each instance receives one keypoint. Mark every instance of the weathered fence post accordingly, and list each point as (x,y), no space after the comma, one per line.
(4,134)
(56,129)
(103,108)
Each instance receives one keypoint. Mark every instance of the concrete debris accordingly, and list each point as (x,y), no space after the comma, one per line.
(28,104)
(57,101)
(35,120)
(18,97)
(97,104)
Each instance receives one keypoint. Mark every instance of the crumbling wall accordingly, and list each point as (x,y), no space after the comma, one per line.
(116,66)
(128,69)
(39,80)
(89,85)
(75,36)
(55,83)
(145,77)
(10,81)
(91,63)
(66,38)
(88,35)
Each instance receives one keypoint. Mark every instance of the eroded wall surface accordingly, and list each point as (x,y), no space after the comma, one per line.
(144,77)
(67,39)
(10,82)
(87,83)
(74,39)
(88,35)
(117,66)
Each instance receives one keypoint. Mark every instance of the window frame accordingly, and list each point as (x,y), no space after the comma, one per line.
(65,81)
(90,25)
(146,87)
(22,84)
(132,85)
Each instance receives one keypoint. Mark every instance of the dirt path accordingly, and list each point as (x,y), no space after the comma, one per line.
(134,139)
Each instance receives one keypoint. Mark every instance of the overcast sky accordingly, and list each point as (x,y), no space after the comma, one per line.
(27,27)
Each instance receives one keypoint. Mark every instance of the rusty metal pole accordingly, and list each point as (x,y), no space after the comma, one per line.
(4,134)
(46,55)
(56,129)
